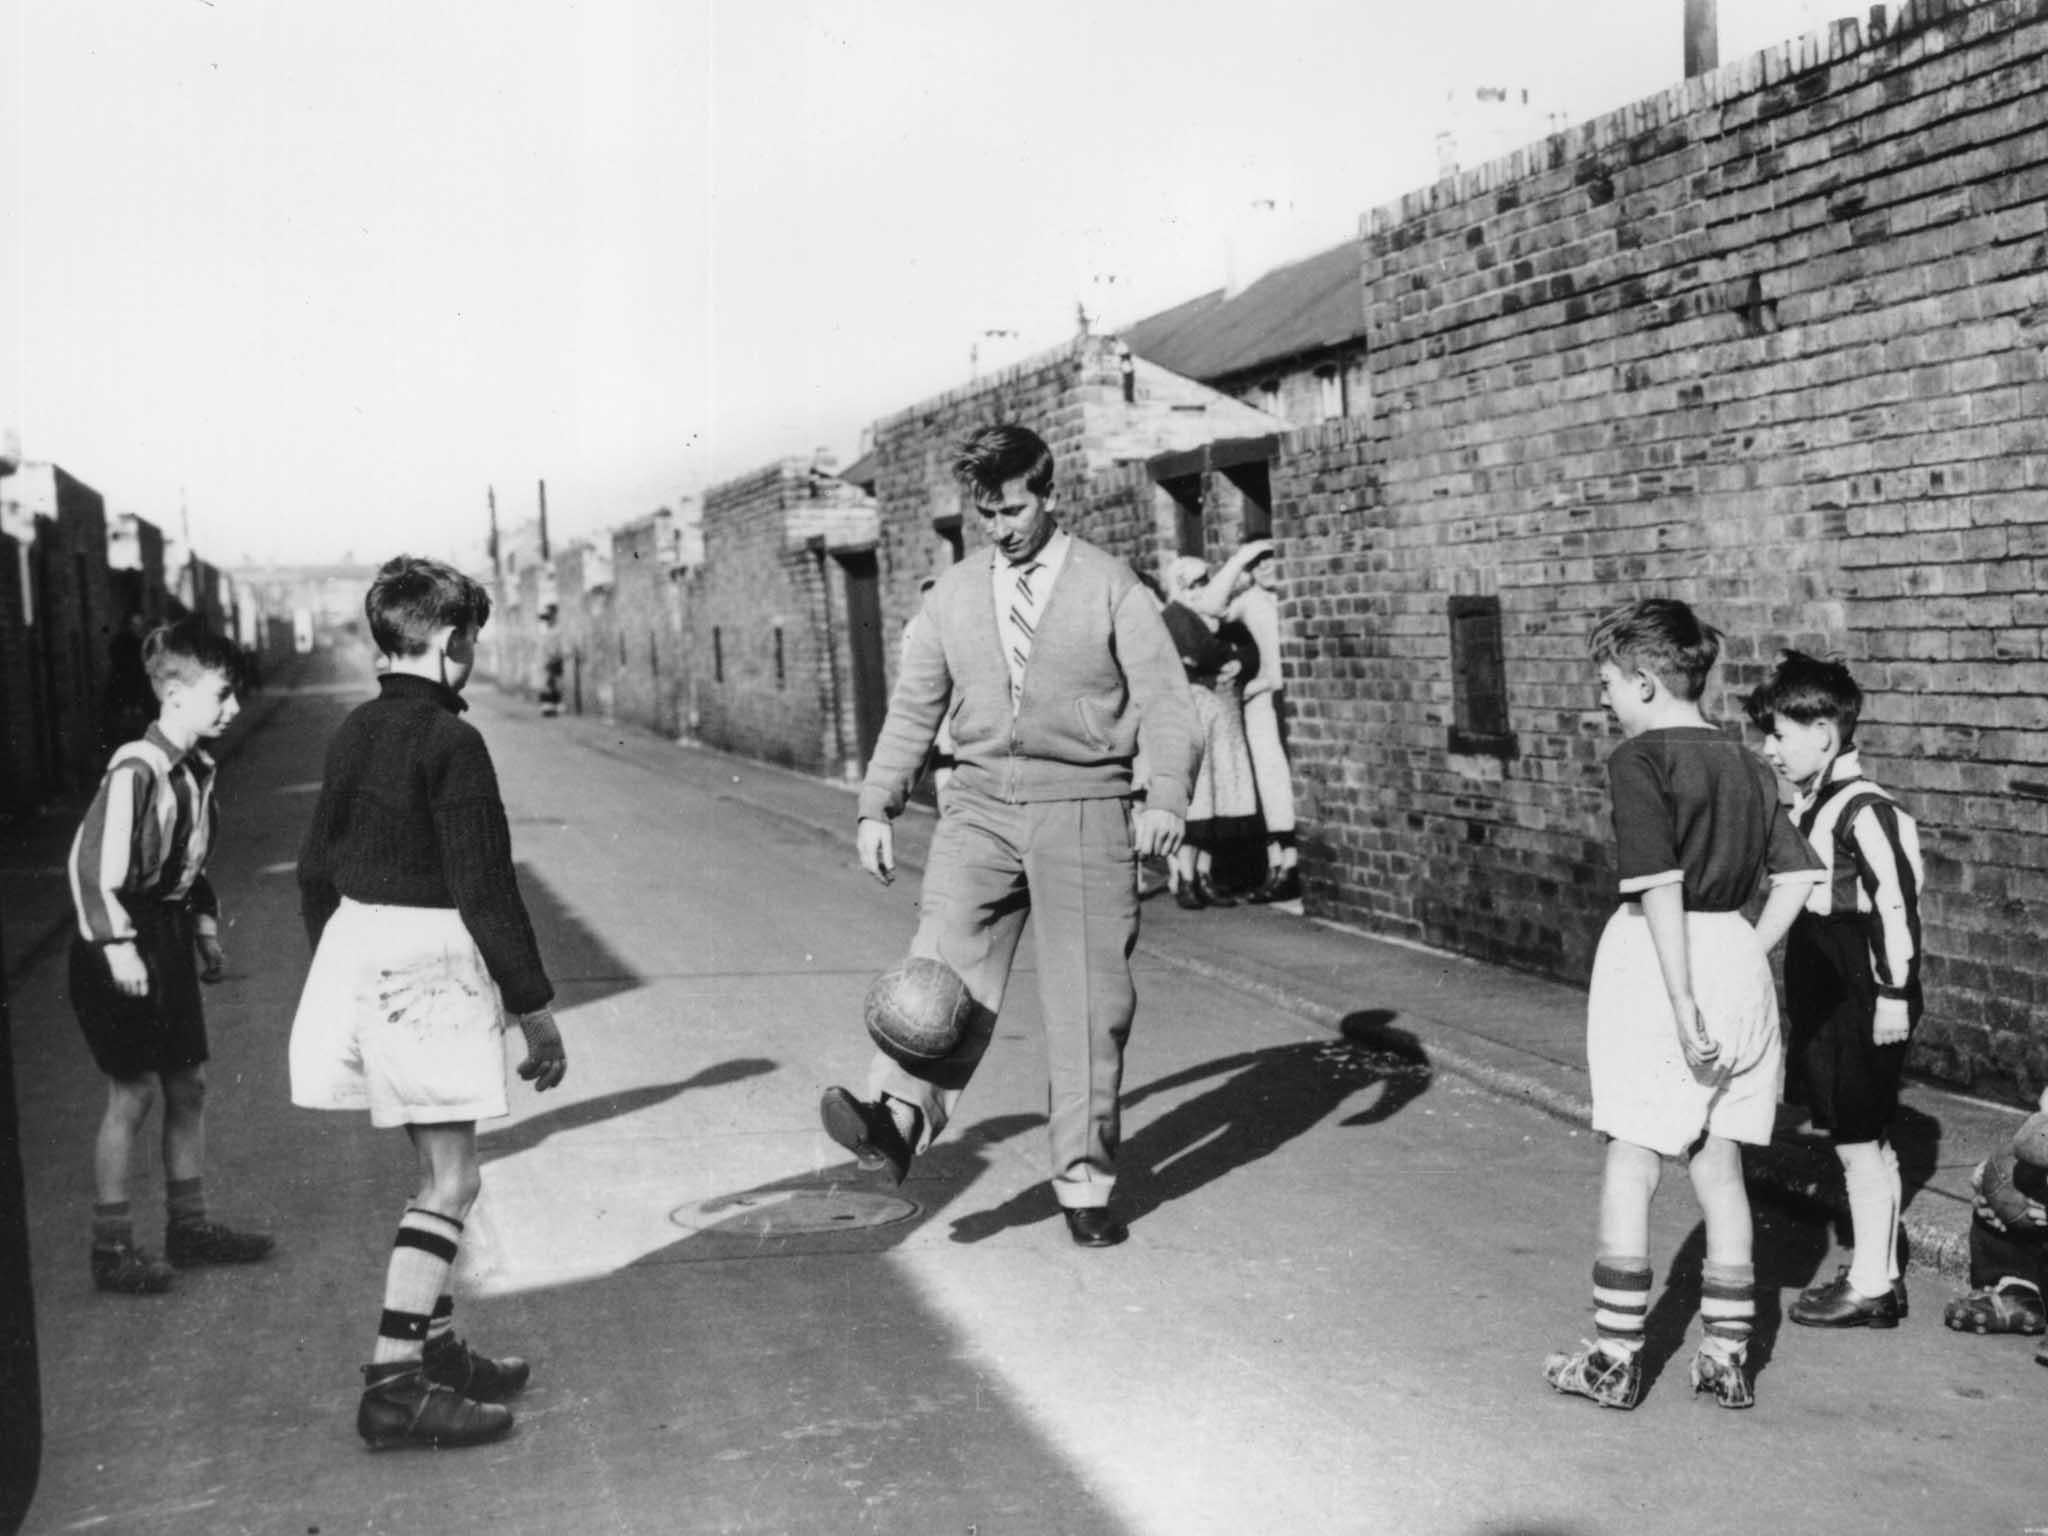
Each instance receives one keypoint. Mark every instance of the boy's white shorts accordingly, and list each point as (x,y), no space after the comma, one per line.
(1643,1091)
(400,1017)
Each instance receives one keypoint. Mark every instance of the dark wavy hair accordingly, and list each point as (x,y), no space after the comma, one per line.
(1003,452)
(1661,636)
(413,596)
(1805,688)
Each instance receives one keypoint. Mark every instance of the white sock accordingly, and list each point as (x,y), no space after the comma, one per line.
(1873,1216)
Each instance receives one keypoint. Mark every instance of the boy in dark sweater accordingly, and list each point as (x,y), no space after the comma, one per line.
(422,945)
(147,918)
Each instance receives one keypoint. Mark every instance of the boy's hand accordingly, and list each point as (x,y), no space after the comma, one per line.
(1702,1052)
(213,960)
(131,975)
(1892,1023)
(547,1062)
(875,841)
(2037,1214)
(1157,834)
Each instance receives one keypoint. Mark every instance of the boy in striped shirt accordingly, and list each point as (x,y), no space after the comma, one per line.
(1852,971)
(146,919)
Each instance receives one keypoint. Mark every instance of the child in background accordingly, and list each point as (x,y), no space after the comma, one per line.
(146,917)
(2009,1239)
(1682,1020)
(1852,971)
(421,944)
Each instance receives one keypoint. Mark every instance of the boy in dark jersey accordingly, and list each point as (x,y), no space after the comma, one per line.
(422,945)
(1682,1020)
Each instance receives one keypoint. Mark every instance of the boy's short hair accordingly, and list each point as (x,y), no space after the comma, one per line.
(1003,452)
(185,649)
(1805,688)
(1661,636)
(413,596)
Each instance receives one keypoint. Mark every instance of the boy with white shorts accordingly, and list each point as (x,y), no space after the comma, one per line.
(422,946)
(1682,1020)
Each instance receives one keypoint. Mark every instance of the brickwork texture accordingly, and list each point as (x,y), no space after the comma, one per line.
(1771,342)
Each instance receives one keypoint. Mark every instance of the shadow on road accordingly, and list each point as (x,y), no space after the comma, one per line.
(525,1135)
(1266,1099)
(579,962)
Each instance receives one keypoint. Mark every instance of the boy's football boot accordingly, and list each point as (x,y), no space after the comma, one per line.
(1727,1378)
(401,1407)
(1838,1304)
(452,1363)
(1612,1381)
(188,1244)
(127,1270)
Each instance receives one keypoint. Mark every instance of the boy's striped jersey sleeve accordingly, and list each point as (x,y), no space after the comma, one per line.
(103,854)
(1887,846)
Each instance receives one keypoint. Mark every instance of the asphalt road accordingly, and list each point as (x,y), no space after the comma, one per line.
(1343,1275)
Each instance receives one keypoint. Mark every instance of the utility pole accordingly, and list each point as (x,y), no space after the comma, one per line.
(544,520)
(491,495)
(1702,38)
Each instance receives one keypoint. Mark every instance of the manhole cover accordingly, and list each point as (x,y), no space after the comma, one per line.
(790,1212)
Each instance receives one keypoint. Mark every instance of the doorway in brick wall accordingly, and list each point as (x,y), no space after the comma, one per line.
(864,649)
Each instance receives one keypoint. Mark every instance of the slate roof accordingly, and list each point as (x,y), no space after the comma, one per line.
(1302,307)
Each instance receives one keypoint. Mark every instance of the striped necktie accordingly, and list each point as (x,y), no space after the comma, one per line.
(1023,611)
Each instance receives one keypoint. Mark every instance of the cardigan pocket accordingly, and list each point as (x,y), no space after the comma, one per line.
(1103,725)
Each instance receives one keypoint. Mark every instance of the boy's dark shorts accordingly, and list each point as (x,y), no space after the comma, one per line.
(163,1031)
(1846,1080)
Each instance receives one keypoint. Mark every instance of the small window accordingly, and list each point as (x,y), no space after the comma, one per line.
(781,675)
(717,654)
(1479,722)
(1330,392)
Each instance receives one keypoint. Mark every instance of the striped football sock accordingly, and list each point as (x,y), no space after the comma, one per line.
(421,1256)
(442,1324)
(1728,1307)
(113,1224)
(1621,1302)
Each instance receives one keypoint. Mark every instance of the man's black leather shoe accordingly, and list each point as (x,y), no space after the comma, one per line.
(868,1131)
(1093,1227)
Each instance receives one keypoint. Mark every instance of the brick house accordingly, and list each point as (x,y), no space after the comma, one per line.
(1292,343)
(60,619)
(786,644)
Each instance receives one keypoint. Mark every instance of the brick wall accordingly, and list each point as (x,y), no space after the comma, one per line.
(1771,342)
(21,754)
(646,610)
(768,540)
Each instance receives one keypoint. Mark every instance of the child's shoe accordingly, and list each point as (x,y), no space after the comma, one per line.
(401,1407)
(1610,1381)
(1838,1304)
(128,1270)
(1726,1376)
(2011,1306)
(188,1244)
(451,1363)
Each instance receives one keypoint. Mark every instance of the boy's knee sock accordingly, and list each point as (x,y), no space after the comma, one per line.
(1873,1215)
(421,1257)
(185,1200)
(1891,1248)
(113,1224)
(1621,1301)
(1728,1306)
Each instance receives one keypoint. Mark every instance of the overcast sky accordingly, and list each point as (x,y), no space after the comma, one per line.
(318,273)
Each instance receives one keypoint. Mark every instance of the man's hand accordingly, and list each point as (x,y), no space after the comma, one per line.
(1157,833)
(1892,1023)
(1702,1052)
(547,1062)
(876,842)
(213,961)
(131,975)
